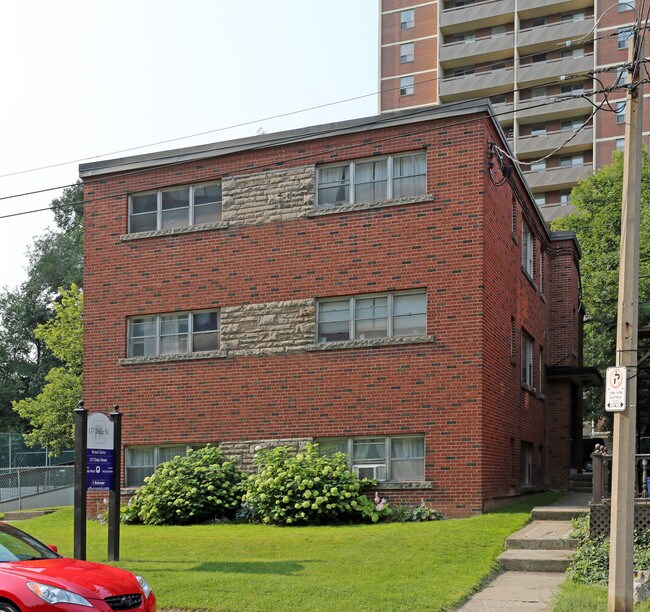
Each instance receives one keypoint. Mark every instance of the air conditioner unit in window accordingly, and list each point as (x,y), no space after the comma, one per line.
(370,470)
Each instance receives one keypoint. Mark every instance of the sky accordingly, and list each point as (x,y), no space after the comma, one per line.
(85,80)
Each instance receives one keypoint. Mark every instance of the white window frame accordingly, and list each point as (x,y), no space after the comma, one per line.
(625,5)
(383,470)
(623,38)
(159,209)
(527,360)
(538,166)
(352,318)
(183,449)
(540,199)
(572,161)
(406,53)
(620,113)
(157,320)
(351,182)
(407,19)
(619,144)
(565,198)
(407,85)
(526,461)
(541,372)
(527,250)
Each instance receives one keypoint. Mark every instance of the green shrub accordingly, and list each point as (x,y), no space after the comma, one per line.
(201,486)
(419,514)
(305,488)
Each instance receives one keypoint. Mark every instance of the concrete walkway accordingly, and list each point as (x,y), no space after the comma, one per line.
(530,590)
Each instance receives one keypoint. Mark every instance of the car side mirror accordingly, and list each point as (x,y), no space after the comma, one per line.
(53,548)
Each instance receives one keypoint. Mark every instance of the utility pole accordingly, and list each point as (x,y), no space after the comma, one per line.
(621,573)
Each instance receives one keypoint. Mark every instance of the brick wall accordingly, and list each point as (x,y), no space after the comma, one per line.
(266,265)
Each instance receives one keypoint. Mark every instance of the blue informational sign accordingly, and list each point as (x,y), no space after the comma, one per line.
(99,469)
(100,458)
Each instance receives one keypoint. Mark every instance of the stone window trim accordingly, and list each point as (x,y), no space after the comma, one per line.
(371,343)
(345,208)
(330,346)
(203,227)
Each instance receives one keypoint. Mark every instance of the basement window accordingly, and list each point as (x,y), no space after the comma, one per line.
(386,458)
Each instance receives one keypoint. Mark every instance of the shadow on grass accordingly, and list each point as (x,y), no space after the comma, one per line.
(526,504)
(280,568)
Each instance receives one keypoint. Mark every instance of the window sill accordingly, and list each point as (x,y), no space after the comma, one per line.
(342,208)
(374,342)
(529,277)
(203,227)
(529,388)
(406,484)
(177,357)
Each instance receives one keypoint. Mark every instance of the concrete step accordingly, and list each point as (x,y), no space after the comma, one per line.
(535,560)
(543,535)
(558,513)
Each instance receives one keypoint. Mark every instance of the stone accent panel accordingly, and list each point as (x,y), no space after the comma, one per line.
(273,327)
(263,197)
(244,451)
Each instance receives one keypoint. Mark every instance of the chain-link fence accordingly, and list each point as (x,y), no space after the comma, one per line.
(20,485)
(14,453)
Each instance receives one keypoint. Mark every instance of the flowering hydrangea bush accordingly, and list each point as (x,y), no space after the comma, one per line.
(303,487)
(201,486)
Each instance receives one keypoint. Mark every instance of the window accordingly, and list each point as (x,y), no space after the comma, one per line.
(465,71)
(538,165)
(499,30)
(565,197)
(540,199)
(573,88)
(141,461)
(499,99)
(538,22)
(620,144)
(577,16)
(569,161)
(526,464)
(373,316)
(466,37)
(527,250)
(623,38)
(577,52)
(496,66)
(620,113)
(406,86)
(406,53)
(537,92)
(538,129)
(526,360)
(621,77)
(406,19)
(625,5)
(173,334)
(538,57)
(373,180)
(571,125)
(175,207)
(541,370)
(393,458)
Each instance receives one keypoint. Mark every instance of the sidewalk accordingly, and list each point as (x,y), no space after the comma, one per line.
(514,590)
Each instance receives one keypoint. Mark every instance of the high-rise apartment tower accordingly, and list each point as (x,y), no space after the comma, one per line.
(535,59)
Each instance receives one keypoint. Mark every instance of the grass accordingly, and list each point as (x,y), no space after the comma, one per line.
(574,597)
(395,566)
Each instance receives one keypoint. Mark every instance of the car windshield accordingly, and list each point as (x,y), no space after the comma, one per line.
(16,545)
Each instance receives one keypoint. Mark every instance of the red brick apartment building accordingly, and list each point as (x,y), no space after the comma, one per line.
(363,284)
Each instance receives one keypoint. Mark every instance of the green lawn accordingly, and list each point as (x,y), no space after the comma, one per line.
(390,566)
(587,598)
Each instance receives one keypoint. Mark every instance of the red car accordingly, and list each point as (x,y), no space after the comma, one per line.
(34,577)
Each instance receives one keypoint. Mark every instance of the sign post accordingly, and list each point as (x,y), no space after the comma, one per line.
(114,493)
(616,389)
(81,433)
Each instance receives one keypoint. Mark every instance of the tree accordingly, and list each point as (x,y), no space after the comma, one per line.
(55,260)
(51,413)
(597,223)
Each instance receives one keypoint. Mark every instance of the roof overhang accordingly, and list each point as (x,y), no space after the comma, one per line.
(581,376)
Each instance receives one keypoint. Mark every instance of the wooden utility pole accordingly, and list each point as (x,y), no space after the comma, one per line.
(620,594)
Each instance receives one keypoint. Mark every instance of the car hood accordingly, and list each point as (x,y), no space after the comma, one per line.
(83,577)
